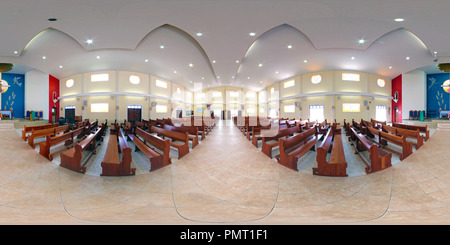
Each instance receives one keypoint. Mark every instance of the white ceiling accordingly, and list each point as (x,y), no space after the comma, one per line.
(325,33)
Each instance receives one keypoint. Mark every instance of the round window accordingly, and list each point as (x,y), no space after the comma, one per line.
(134,79)
(316,79)
(69,83)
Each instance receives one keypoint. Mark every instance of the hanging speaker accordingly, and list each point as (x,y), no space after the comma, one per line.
(85,102)
(154,103)
(297,104)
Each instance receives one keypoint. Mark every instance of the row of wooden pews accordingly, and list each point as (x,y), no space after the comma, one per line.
(374,136)
(72,158)
(294,138)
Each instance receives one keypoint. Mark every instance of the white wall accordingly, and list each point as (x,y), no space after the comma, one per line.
(36,92)
(413,92)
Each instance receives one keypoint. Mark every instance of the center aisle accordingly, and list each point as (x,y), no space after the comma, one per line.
(225,179)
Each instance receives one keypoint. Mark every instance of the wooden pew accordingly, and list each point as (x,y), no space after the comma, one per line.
(183,149)
(157,160)
(255,134)
(285,132)
(377,124)
(422,129)
(71,159)
(384,137)
(28,129)
(293,148)
(359,127)
(337,165)
(67,138)
(415,134)
(379,159)
(128,127)
(112,165)
(191,130)
(45,132)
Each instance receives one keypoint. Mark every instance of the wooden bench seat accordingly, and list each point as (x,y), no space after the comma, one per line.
(422,129)
(192,132)
(293,148)
(40,133)
(384,137)
(183,148)
(255,134)
(67,138)
(112,165)
(379,159)
(28,129)
(336,165)
(285,132)
(71,159)
(157,160)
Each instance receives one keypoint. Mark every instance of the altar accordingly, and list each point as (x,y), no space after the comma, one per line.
(444,113)
(7,113)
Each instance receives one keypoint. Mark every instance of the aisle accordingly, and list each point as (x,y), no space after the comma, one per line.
(226,178)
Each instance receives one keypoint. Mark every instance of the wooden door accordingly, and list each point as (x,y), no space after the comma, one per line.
(134,115)
(70,115)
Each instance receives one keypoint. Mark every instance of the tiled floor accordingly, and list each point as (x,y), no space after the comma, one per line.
(224,180)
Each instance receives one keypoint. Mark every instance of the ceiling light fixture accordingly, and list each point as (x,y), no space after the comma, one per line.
(237,61)
(407,58)
(98,57)
(305,61)
(399,19)
(191,65)
(361,41)
(89,41)
(43,57)
(146,60)
(289,46)
(161,47)
(60,66)
(252,34)
(199,34)
(260,65)
(16,52)
(353,57)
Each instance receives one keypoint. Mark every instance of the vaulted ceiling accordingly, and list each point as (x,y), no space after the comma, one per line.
(291,37)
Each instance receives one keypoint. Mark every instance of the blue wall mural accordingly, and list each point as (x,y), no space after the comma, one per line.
(15,96)
(437,98)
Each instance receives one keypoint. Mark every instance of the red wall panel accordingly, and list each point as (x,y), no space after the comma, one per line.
(397,87)
(53,97)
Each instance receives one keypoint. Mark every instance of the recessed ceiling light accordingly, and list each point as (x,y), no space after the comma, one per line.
(399,19)
(98,57)
(305,61)
(361,41)
(16,52)
(174,71)
(218,76)
(161,47)
(276,72)
(213,61)
(191,65)
(260,65)
(203,78)
(248,77)
(43,57)
(390,67)
(146,60)
(199,34)
(232,76)
(237,61)
(60,66)
(289,46)
(260,81)
(353,57)
(407,58)
(252,34)
(89,41)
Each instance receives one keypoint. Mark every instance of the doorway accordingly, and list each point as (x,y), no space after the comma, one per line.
(69,113)
(396,114)
(134,113)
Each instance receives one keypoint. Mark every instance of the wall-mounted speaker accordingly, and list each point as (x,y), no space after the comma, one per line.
(297,104)
(84,102)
